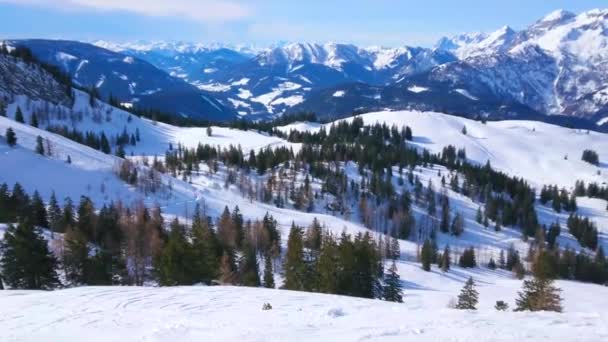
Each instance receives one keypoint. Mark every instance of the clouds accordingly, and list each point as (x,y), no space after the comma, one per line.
(206,11)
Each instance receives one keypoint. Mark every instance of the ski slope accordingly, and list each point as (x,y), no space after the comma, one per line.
(539,152)
(108,314)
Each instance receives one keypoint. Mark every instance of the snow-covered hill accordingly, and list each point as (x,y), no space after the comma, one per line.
(540,153)
(111,314)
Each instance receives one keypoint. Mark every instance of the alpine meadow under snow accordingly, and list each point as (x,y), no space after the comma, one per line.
(120,221)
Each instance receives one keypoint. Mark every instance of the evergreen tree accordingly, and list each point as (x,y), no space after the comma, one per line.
(39,145)
(26,261)
(328,264)
(54,214)
(19,115)
(38,211)
(75,256)
(34,120)
(457,227)
(426,255)
(468,297)
(479,216)
(249,271)
(295,267)
(205,248)
(467,259)
(446,259)
(175,263)
(11,137)
(392,287)
(104,144)
(492,264)
(268,274)
(539,294)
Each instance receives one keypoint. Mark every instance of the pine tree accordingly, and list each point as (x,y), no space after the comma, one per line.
(209,131)
(295,267)
(492,264)
(426,255)
(446,259)
(175,263)
(468,297)
(249,272)
(26,260)
(11,137)
(104,144)
(54,214)
(39,145)
(268,274)
(19,115)
(479,216)
(205,248)
(457,227)
(75,256)
(539,294)
(392,287)
(34,120)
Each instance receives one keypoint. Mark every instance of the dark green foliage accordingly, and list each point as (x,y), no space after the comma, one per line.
(492,264)
(467,259)
(34,120)
(268,274)
(175,265)
(591,157)
(392,285)
(426,255)
(539,294)
(457,227)
(501,305)
(584,230)
(468,297)
(295,267)
(446,260)
(11,137)
(39,145)
(26,260)
(19,115)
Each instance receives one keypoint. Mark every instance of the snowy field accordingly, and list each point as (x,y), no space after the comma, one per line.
(108,314)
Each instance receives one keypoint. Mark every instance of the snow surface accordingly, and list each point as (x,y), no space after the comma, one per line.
(339,93)
(108,314)
(417,89)
(466,94)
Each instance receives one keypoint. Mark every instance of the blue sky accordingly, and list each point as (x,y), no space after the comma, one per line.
(263,22)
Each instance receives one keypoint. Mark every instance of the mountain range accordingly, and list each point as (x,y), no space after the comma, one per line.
(553,70)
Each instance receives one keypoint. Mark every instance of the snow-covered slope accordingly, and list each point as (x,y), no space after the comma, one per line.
(111,314)
(541,153)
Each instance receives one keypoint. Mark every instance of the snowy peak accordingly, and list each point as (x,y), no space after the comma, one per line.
(557,16)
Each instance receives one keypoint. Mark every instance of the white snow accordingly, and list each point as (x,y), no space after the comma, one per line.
(417,89)
(289,101)
(466,94)
(108,314)
(215,87)
(339,93)
(241,82)
(128,60)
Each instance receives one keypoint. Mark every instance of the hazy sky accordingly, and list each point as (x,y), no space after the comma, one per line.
(263,22)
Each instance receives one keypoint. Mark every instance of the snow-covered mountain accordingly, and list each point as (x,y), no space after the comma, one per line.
(127,78)
(270,81)
(568,54)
